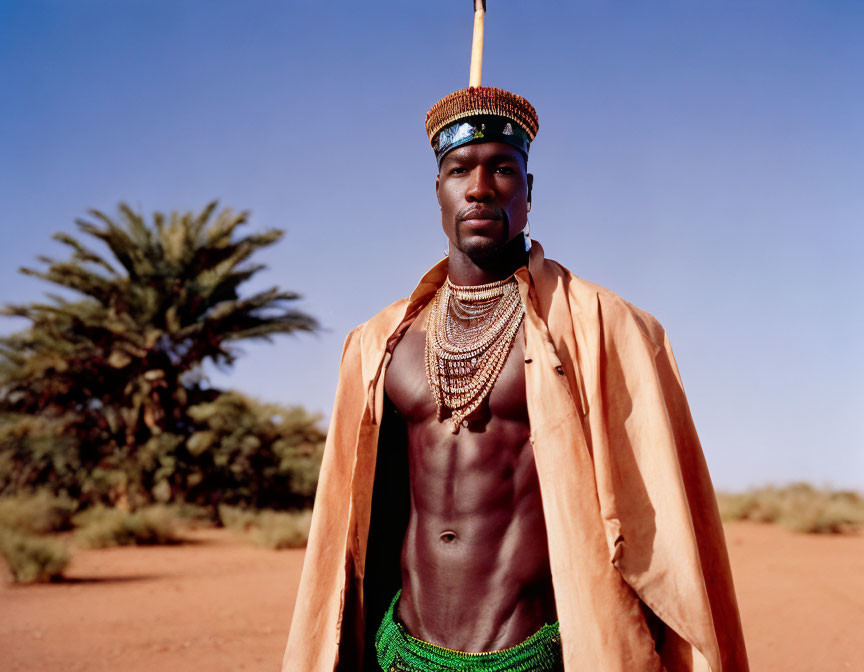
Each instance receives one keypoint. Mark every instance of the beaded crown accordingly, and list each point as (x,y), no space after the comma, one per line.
(481,114)
(481,100)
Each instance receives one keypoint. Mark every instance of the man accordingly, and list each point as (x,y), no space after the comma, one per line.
(512,479)
(475,572)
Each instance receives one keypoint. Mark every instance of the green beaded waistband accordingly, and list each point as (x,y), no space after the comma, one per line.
(398,651)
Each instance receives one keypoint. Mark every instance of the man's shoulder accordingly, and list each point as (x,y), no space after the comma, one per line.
(595,302)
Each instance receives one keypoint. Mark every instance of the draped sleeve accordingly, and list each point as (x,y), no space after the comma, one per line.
(657,502)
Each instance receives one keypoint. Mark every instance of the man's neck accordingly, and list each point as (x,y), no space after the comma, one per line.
(463,270)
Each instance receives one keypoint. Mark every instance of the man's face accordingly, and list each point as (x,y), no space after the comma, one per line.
(484,191)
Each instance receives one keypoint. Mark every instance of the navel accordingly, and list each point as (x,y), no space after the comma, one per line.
(448,536)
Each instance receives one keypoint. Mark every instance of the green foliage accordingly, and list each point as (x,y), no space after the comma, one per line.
(37,513)
(101,527)
(36,451)
(255,454)
(799,507)
(271,529)
(31,558)
(96,395)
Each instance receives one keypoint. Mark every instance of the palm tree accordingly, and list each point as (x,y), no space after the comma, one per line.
(115,362)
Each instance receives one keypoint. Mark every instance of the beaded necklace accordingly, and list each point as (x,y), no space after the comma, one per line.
(469,333)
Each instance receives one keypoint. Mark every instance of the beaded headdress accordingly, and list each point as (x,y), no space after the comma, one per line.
(480,113)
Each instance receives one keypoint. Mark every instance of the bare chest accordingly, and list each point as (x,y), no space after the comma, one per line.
(407,386)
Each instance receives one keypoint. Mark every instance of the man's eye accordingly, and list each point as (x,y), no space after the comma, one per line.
(505,170)
(456,171)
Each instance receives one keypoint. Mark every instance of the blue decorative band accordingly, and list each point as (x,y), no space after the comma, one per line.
(481,128)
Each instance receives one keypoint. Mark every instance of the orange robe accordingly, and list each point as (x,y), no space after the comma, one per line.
(629,506)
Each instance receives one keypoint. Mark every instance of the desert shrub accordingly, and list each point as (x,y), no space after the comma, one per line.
(282,529)
(235,518)
(31,558)
(101,527)
(36,452)
(191,515)
(37,513)
(232,450)
(271,529)
(252,454)
(799,507)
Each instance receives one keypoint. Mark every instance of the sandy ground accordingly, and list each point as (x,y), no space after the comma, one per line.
(801,598)
(222,605)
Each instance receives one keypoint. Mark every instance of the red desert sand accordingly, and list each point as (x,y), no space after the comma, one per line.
(222,605)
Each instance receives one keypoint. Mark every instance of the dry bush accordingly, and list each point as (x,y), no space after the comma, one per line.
(282,529)
(31,558)
(190,515)
(101,527)
(799,507)
(271,529)
(37,513)
(235,518)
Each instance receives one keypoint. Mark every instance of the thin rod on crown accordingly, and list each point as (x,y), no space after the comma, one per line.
(477,44)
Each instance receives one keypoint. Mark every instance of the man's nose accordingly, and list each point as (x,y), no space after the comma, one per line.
(481,188)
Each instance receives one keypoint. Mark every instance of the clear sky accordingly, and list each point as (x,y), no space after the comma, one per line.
(704,159)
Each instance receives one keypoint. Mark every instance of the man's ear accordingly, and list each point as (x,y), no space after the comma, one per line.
(437,186)
(530,186)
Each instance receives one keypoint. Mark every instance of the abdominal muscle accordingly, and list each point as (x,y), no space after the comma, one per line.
(475,565)
(475,570)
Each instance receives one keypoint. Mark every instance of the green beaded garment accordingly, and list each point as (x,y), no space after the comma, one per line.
(398,651)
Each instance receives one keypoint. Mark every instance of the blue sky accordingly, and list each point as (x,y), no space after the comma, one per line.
(703,159)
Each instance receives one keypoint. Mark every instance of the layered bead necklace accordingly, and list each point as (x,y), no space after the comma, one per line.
(469,333)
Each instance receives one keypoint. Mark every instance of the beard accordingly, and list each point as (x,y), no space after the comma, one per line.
(483,248)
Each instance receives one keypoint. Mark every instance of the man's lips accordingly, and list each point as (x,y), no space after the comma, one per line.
(480,218)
